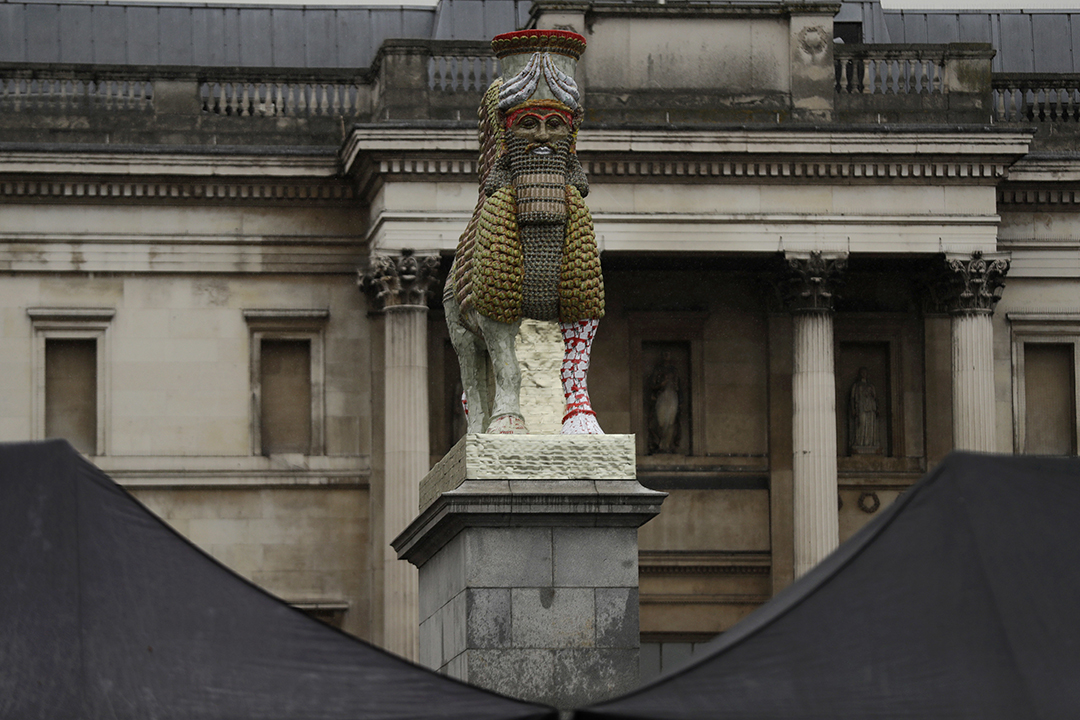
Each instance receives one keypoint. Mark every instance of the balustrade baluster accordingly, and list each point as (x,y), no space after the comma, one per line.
(289,98)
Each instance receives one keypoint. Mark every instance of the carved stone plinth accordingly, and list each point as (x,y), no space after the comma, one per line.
(527,549)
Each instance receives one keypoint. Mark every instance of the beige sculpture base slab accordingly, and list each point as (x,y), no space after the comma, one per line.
(530,457)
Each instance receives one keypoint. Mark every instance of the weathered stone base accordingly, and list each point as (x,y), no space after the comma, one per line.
(529,587)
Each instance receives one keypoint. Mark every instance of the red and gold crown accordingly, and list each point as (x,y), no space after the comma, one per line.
(562,42)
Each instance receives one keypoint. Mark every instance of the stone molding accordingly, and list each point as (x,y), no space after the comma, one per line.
(638,169)
(1033,196)
(811,280)
(767,155)
(165,472)
(526,503)
(125,176)
(971,283)
(191,190)
(667,562)
(400,280)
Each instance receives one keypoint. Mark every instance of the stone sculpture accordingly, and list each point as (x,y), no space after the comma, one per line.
(863,412)
(529,249)
(664,391)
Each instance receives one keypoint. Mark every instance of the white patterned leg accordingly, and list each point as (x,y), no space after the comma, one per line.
(579,418)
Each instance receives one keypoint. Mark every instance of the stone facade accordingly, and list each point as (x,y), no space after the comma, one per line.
(187,242)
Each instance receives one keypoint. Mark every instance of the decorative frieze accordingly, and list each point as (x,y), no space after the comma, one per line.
(190,190)
(802,169)
(405,279)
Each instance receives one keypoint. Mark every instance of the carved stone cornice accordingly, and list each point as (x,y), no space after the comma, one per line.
(970,283)
(405,279)
(810,281)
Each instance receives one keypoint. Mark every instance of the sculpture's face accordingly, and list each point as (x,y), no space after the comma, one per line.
(542,129)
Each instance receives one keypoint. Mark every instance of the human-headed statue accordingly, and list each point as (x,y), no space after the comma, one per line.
(529,249)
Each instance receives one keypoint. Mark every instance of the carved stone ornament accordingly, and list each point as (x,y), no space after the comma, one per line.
(813,40)
(405,279)
(810,282)
(972,283)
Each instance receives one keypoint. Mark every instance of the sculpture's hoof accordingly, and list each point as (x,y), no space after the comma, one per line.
(583,422)
(507,425)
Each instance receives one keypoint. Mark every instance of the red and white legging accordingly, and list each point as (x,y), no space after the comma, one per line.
(577,339)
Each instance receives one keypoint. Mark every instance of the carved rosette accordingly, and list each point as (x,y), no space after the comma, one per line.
(810,282)
(405,279)
(971,284)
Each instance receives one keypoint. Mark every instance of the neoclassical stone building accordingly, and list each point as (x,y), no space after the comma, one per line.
(838,243)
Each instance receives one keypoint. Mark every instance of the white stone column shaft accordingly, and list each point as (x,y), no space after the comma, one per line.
(973,381)
(407,461)
(816,519)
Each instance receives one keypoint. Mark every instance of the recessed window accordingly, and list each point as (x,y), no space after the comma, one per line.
(71,376)
(287,381)
(1049,396)
(71,392)
(1045,348)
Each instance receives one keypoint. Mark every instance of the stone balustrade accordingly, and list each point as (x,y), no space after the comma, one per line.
(71,88)
(913,83)
(1036,97)
(462,67)
(274,92)
(890,69)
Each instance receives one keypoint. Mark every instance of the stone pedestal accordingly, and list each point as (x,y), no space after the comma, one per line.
(527,549)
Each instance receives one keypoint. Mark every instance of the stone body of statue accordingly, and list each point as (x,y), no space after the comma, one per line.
(664,426)
(530,249)
(863,412)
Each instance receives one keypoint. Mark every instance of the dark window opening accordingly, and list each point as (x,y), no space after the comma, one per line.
(285,381)
(71,392)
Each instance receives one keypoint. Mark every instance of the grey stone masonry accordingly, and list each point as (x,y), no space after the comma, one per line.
(529,586)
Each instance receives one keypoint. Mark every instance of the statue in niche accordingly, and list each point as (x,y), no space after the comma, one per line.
(863,417)
(664,406)
(530,249)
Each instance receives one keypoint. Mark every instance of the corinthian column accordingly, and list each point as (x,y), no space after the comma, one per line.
(973,287)
(399,286)
(810,286)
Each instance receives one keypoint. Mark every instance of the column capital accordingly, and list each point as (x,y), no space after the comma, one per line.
(970,284)
(810,280)
(399,279)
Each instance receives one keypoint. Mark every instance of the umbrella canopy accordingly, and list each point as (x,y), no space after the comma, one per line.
(106,612)
(961,600)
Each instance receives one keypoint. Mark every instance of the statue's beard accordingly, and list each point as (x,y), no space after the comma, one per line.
(539,180)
